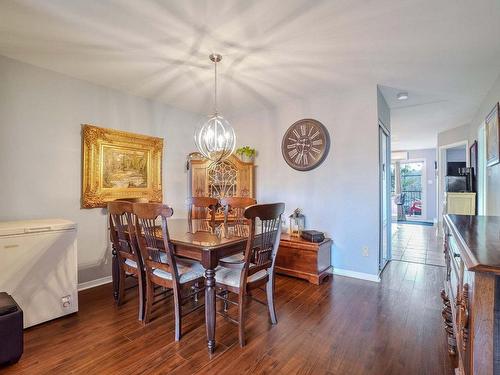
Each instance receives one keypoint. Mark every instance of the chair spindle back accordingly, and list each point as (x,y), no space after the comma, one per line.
(121,229)
(263,241)
(154,243)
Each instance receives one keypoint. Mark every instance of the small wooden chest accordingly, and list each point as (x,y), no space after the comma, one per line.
(304,259)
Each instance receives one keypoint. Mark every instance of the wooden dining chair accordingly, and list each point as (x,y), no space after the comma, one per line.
(202,208)
(257,269)
(162,267)
(235,222)
(234,207)
(128,259)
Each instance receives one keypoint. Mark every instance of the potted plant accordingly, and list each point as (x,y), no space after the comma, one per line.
(246,154)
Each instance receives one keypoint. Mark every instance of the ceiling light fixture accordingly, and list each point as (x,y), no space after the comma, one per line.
(215,139)
(402,96)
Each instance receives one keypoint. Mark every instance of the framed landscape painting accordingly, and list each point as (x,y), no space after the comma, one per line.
(119,165)
(492,129)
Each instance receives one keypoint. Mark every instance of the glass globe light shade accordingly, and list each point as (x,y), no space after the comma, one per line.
(215,138)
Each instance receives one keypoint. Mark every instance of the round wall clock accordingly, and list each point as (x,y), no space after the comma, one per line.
(305,144)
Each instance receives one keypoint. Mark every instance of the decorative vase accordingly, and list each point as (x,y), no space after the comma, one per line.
(246,159)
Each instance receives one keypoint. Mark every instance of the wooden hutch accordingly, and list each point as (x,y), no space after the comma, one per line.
(228,178)
(472,292)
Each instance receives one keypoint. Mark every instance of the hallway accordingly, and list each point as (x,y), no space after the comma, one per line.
(418,244)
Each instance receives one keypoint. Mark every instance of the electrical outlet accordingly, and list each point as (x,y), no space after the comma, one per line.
(365,251)
(66,301)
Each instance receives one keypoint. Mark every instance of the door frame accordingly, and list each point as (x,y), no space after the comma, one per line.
(384,132)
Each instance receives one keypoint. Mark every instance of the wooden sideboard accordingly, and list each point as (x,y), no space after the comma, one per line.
(304,259)
(228,178)
(471,295)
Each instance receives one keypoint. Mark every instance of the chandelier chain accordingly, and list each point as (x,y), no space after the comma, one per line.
(215,87)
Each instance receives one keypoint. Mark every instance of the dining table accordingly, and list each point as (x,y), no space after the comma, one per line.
(206,242)
(200,240)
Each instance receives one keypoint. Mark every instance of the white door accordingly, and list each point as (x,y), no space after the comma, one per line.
(412,179)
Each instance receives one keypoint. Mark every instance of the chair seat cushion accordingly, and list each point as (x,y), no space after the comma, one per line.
(231,276)
(188,270)
(130,263)
(235,258)
(133,264)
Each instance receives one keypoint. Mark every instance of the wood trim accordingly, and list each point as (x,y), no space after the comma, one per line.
(93,283)
(357,275)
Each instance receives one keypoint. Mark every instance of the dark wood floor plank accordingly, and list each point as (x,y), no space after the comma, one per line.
(344,326)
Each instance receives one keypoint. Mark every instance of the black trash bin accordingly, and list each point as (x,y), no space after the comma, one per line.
(11,330)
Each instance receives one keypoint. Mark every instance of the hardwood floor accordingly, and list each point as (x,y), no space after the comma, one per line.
(345,326)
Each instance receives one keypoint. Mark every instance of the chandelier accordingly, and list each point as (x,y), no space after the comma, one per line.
(215,138)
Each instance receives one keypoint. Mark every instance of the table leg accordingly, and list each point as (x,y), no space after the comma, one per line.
(210,308)
(115,271)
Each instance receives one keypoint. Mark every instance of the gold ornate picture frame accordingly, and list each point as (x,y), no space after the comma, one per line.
(119,165)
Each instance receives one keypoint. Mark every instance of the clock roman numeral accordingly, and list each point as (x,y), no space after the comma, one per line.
(292,153)
(315,150)
(315,135)
(312,156)
(317,142)
(310,131)
(296,133)
(303,129)
(298,159)
(305,159)
(290,146)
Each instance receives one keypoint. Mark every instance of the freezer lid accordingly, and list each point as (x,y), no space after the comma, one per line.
(8,228)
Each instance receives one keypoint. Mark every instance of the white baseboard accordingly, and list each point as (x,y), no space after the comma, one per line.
(357,275)
(94,283)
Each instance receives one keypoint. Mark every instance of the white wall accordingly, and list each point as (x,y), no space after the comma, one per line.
(341,197)
(40,150)
(456,154)
(458,134)
(493,172)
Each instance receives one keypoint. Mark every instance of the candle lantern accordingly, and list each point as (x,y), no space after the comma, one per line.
(297,223)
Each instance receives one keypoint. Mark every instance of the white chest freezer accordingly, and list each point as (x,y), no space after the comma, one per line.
(38,267)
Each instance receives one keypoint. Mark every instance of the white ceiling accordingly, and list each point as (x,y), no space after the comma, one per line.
(445,53)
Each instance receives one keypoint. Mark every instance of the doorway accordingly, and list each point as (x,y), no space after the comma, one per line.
(408,188)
